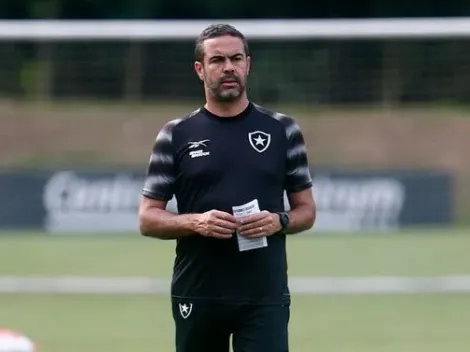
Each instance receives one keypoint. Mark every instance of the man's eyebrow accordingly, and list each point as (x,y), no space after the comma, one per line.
(219,55)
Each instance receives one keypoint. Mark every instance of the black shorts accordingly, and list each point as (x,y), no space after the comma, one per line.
(208,326)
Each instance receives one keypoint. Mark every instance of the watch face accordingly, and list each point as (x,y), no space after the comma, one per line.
(284,219)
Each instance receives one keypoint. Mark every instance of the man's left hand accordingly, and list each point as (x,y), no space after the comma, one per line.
(260,224)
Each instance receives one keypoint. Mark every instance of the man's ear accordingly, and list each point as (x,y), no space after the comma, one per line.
(198,67)
(248,64)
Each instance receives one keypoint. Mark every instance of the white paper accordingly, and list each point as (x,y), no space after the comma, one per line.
(244,243)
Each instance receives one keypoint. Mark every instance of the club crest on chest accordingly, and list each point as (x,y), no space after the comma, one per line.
(259,140)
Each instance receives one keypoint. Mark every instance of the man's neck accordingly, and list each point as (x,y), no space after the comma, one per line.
(227,109)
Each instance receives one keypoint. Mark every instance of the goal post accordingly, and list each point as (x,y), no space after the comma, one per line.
(254,29)
(364,61)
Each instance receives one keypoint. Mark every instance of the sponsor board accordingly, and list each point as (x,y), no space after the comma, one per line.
(91,202)
(357,204)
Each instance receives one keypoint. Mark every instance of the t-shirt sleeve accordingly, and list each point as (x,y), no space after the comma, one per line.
(160,177)
(298,175)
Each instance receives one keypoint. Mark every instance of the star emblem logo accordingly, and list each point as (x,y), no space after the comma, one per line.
(185,309)
(259,140)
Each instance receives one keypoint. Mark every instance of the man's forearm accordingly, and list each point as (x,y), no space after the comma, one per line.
(301,219)
(162,224)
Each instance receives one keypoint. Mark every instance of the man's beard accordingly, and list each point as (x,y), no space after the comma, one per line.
(224,94)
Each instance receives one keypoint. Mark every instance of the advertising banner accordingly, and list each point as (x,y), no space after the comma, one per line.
(107,202)
(352,201)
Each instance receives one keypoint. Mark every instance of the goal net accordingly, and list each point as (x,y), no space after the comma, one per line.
(311,62)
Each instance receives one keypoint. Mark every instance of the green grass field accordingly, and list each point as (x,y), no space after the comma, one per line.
(336,323)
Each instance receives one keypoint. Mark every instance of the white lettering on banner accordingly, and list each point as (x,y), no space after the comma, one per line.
(110,203)
(68,192)
(75,203)
(349,204)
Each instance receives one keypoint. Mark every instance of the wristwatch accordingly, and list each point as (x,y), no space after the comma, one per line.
(284,220)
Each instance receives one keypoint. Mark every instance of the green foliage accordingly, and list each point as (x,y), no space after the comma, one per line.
(126,9)
(28,78)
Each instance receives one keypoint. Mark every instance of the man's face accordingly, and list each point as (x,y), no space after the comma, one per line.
(225,67)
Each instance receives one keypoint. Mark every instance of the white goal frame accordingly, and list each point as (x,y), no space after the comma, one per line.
(55,30)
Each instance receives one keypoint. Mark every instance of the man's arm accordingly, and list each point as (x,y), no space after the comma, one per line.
(156,222)
(302,213)
(299,182)
(302,216)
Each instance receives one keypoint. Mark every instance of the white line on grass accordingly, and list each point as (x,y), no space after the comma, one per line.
(298,285)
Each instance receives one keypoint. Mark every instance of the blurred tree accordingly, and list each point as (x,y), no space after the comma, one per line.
(41,70)
(45,8)
(44,69)
(147,9)
(11,9)
(134,56)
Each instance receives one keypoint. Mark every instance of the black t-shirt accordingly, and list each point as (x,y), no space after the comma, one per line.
(209,162)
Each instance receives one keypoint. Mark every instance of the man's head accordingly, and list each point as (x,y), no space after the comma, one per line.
(222,62)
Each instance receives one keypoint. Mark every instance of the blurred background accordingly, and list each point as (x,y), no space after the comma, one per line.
(381,94)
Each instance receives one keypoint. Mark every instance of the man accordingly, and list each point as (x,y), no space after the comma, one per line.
(228,165)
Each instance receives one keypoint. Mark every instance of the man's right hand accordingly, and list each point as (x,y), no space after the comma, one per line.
(217,224)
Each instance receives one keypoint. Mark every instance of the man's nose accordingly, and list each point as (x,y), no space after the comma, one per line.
(228,66)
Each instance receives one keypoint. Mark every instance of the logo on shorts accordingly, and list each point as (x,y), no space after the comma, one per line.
(186,309)
(259,140)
